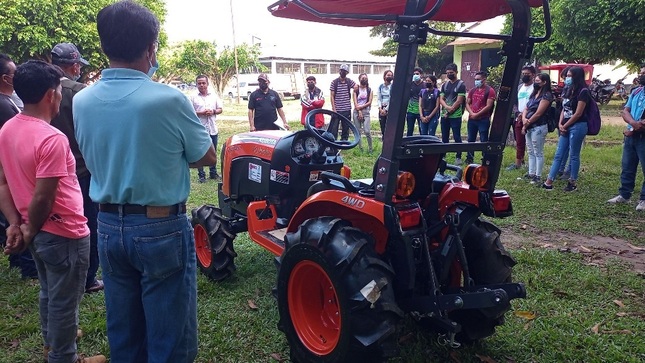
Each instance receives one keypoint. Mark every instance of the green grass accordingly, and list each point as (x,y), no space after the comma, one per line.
(568,296)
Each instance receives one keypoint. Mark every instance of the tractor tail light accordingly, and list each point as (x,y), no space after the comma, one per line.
(409,218)
(502,203)
(476,176)
(346,171)
(405,183)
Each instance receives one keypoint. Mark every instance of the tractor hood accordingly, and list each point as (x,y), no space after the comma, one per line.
(450,10)
(266,138)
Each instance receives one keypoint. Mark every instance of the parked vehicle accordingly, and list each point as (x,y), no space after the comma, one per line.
(602,91)
(354,256)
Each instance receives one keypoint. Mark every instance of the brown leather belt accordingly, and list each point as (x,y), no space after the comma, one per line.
(149,210)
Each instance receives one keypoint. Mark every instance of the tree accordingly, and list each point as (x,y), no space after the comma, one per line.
(591,31)
(30,28)
(430,56)
(195,57)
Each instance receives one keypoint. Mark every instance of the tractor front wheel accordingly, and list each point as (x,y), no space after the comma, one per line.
(213,243)
(335,296)
(489,263)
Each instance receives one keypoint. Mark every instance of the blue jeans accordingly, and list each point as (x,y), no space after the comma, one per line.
(453,124)
(480,126)
(412,119)
(633,154)
(149,271)
(535,139)
(429,128)
(90,210)
(62,269)
(213,168)
(571,141)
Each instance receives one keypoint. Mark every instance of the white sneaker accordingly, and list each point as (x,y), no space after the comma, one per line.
(641,205)
(619,199)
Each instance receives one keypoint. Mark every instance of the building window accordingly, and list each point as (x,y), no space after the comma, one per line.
(361,68)
(334,68)
(284,67)
(315,68)
(381,68)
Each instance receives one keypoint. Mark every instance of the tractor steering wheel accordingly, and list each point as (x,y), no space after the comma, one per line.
(327,137)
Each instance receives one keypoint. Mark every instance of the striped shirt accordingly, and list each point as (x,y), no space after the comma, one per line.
(342,99)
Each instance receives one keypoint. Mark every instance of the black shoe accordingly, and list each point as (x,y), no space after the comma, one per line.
(570,187)
(547,187)
(214,176)
(202,179)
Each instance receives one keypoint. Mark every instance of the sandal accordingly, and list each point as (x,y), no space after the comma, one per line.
(96,286)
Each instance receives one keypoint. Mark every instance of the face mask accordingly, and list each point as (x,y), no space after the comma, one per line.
(416,78)
(526,79)
(264,86)
(389,79)
(452,77)
(363,82)
(568,81)
(478,83)
(153,67)
(537,85)
(641,80)
(429,85)
(311,86)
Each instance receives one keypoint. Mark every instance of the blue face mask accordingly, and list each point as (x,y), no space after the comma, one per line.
(478,83)
(416,78)
(568,81)
(153,67)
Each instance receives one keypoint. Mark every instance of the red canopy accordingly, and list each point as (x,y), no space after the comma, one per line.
(451,10)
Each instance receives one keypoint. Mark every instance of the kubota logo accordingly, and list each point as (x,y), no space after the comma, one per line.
(354,202)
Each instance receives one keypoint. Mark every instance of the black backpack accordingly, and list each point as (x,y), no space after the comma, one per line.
(552,118)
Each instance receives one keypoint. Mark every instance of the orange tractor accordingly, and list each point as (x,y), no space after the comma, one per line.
(355,256)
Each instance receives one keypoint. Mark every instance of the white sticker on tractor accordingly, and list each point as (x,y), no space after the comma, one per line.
(279,176)
(255,173)
(371,292)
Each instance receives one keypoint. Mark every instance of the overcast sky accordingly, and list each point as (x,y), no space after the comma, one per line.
(211,21)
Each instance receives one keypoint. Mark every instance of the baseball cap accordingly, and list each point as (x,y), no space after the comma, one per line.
(67,53)
(344,67)
(263,77)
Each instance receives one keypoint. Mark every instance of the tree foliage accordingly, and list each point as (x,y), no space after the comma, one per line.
(592,31)
(30,28)
(430,56)
(194,57)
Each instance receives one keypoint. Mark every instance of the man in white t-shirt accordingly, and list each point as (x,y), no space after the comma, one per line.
(207,105)
(523,94)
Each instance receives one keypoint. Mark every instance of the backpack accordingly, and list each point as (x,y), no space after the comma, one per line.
(552,118)
(593,116)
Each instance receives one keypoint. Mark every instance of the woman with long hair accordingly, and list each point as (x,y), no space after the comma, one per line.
(535,126)
(572,127)
(383,99)
(429,107)
(362,97)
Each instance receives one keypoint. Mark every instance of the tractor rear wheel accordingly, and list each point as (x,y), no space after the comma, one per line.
(335,296)
(489,263)
(213,243)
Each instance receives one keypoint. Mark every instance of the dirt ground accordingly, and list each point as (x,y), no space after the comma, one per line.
(596,251)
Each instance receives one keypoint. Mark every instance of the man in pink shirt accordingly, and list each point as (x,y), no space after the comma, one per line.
(41,198)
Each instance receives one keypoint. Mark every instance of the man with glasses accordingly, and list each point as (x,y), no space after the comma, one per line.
(264,107)
(139,138)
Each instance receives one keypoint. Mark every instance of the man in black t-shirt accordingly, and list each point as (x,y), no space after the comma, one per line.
(264,107)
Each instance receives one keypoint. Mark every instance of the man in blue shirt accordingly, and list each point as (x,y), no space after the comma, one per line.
(138,139)
(634,146)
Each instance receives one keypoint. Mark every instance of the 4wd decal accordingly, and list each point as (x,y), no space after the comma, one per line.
(255,172)
(279,176)
(353,202)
